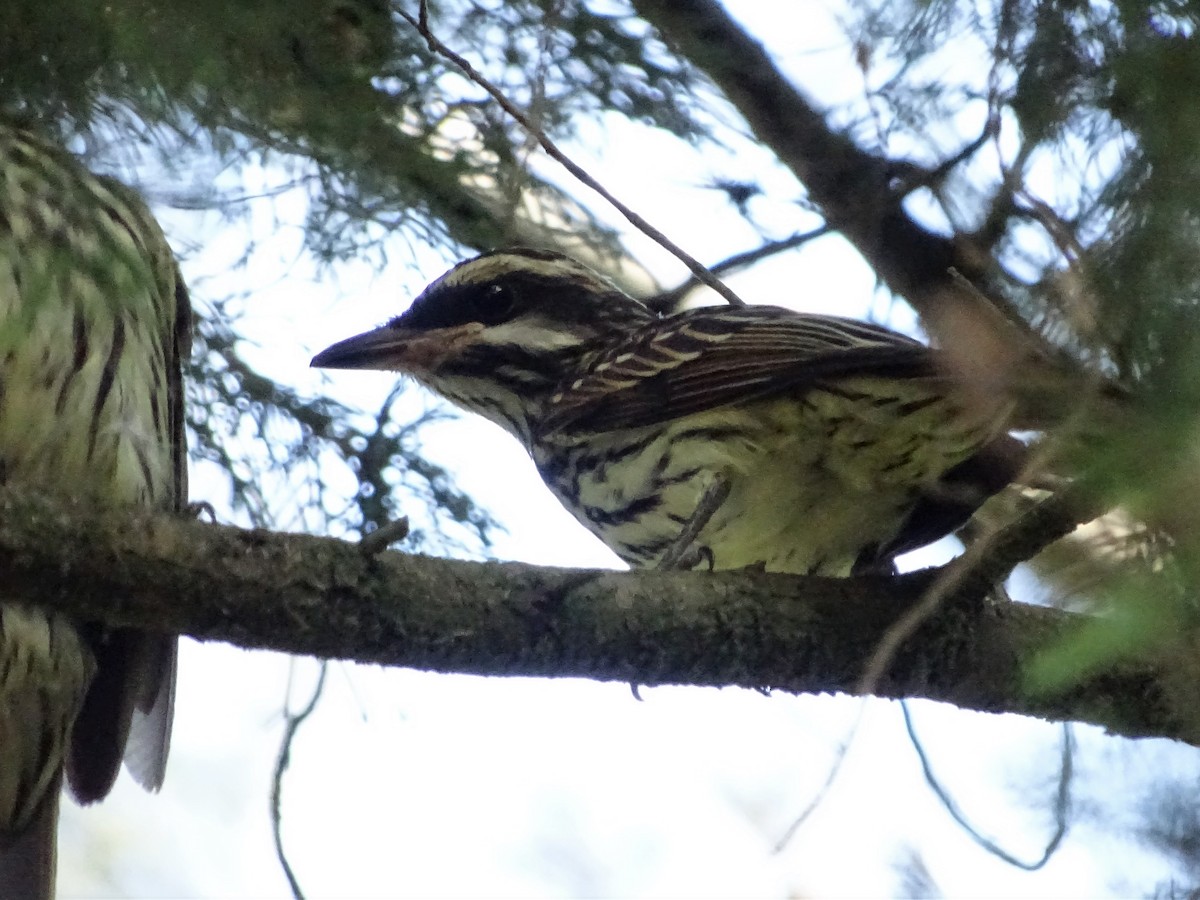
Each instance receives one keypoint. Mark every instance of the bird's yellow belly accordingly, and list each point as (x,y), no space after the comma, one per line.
(809,488)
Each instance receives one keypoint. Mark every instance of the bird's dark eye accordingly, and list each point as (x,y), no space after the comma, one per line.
(495,303)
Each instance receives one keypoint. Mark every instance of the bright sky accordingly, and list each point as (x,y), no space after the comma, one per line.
(407,784)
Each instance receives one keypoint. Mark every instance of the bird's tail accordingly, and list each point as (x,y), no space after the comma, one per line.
(28,857)
(45,669)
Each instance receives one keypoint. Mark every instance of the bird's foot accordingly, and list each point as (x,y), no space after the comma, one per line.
(682,554)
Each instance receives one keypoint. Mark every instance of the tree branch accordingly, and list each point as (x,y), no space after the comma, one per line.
(324,597)
(947,280)
(854,188)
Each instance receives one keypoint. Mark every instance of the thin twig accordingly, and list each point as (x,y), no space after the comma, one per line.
(931,178)
(1048,521)
(666,300)
(421,24)
(834,770)
(984,563)
(1062,800)
(375,542)
(292,723)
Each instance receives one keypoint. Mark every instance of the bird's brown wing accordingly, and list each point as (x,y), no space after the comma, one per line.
(715,356)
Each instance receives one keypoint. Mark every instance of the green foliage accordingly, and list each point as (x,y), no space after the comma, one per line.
(388,134)
(1084,196)
(383,138)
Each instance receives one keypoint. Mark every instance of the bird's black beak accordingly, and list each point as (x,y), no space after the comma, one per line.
(371,350)
(397,349)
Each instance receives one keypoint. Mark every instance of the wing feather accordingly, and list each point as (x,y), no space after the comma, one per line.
(716,356)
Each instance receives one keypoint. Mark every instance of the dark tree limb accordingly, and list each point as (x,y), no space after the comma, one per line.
(950,281)
(852,186)
(855,189)
(324,597)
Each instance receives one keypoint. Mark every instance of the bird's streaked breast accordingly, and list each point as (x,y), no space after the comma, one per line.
(86,319)
(814,479)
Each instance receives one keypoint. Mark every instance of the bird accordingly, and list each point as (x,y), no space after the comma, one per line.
(723,437)
(94,325)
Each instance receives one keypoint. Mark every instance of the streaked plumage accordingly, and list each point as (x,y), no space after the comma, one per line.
(94,323)
(842,443)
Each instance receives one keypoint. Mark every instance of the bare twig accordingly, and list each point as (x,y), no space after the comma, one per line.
(1062,799)
(667,300)
(292,723)
(911,176)
(818,798)
(421,24)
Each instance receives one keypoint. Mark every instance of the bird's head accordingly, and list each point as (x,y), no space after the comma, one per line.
(497,333)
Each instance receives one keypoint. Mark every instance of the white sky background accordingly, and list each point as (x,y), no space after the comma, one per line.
(411,784)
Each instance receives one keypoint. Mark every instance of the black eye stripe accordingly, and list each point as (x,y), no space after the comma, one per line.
(447,306)
(496,299)
(491,302)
